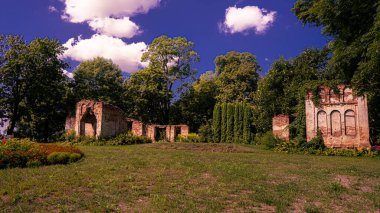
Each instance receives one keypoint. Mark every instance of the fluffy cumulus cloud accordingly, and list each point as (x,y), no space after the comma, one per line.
(121,28)
(78,11)
(126,56)
(108,17)
(241,20)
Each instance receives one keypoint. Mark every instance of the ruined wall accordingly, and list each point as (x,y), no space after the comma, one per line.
(170,131)
(341,117)
(114,121)
(70,123)
(100,120)
(86,108)
(280,126)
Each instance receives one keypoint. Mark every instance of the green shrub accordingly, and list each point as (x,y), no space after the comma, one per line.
(269,140)
(70,135)
(190,138)
(128,139)
(205,133)
(33,163)
(59,158)
(74,157)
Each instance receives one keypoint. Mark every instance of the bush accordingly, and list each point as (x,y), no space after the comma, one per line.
(58,158)
(205,133)
(190,138)
(128,139)
(269,140)
(70,135)
(74,157)
(24,153)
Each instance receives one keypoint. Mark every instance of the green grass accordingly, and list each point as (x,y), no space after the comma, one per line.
(194,178)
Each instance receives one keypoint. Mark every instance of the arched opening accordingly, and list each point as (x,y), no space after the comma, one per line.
(336,124)
(350,123)
(88,124)
(322,122)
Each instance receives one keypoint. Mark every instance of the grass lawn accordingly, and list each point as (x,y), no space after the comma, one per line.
(194,178)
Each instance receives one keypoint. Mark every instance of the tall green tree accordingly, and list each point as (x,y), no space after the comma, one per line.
(217,123)
(223,131)
(44,101)
(247,124)
(195,106)
(99,79)
(145,98)
(32,85)
(173,58)
(13,78)
(230,123)
(282,89)
(237,76)
(354,27)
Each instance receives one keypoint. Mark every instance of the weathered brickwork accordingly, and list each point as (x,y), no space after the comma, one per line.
(100,120)
(341,117)
(280,125)
(171,132)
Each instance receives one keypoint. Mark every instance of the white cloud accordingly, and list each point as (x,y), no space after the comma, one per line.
(78,11)
(68,74)
(126,56)
(52,9)
(240,20)
(121,28)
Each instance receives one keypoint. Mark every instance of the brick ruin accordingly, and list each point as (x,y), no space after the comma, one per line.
(341,117)
(280,125)
(100,120)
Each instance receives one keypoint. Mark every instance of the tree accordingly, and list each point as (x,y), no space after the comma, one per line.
(247,133)
(44,101)
(99,79)
(145,97)
(195,107)
(236,76)
(32,86)
(282,89)
(223,129)
(354,27)
(216,123)
(230,123)
(172,57)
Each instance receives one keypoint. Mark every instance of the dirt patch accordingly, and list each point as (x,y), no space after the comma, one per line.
(222,148)
(345,181)
(298,206)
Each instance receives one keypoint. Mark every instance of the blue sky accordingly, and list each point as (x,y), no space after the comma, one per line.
(132,24)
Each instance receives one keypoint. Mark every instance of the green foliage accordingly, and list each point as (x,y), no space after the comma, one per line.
(99,79)
(58,158)
(247,125)
(284,88)
(195,107)
(235,125)
(230,123)
(217,123)
(24,153)
(269,140)
(170,60)
(128,139)
(223,131)
(206,133)
(32,86)
(354,27)
(237,76)
(190,138)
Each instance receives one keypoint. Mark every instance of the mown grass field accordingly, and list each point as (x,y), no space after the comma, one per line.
(194,178)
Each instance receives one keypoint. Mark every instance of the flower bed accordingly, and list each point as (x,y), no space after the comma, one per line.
(24,153)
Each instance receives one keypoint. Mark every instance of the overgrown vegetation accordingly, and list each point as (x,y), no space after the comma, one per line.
(24,153)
